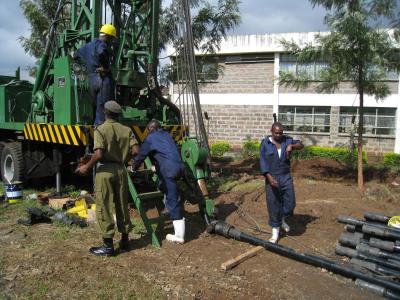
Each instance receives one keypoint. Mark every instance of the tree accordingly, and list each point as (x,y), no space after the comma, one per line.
(211,23)
(357,49)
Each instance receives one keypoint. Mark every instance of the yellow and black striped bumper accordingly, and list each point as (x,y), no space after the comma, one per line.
(78,135)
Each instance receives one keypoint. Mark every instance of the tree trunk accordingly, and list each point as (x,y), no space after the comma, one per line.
(360,142)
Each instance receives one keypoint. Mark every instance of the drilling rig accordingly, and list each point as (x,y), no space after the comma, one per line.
(46,126)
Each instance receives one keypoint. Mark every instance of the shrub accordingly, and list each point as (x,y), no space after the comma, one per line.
(218,149)
(251,148)
(391,159)
(339,154)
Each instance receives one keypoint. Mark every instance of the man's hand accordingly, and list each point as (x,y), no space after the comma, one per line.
(82,170)
(289,149)
(272,181)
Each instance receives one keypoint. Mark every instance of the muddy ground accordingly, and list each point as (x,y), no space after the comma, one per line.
(48,261)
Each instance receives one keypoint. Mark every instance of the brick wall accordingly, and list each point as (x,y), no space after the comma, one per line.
(242,78)
(232,123)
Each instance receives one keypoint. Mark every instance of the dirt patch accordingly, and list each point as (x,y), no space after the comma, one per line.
(48,261)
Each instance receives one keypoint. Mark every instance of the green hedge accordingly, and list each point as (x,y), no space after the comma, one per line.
(391,159)
(338,154)
(219,148)
(251,148)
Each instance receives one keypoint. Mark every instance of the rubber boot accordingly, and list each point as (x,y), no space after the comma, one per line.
(275,235)
(179,228)
(124,242)
(107,249)
(285,226)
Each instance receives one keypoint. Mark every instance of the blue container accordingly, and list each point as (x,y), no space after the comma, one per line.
(13,191)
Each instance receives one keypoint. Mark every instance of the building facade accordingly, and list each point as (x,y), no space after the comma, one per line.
(241,100)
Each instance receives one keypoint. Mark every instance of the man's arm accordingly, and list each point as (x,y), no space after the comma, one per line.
(96,157)
(145,149)
(295,145)
(265,167)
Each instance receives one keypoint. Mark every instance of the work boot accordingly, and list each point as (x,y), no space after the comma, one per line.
(124,242)
(285,226)
(275,235)
(179,228)
(107,249)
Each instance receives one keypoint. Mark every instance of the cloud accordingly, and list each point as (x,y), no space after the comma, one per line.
(258,16)
(12,25)
(277,16)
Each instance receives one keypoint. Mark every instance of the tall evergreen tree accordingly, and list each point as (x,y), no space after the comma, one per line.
(357,49)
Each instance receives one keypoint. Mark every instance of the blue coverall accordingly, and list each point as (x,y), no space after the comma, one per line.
(281,201)
(97,54)
(160,146)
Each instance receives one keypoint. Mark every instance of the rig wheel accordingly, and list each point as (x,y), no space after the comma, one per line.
(12,162)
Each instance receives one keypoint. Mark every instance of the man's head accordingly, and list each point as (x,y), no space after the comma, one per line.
(108,32)
(153,125)
(112,110)
(277,131)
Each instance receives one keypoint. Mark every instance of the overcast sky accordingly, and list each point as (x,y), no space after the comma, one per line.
(258,16)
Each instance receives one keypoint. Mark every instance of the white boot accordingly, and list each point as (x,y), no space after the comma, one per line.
(285,226)
(179,228)
(275,235)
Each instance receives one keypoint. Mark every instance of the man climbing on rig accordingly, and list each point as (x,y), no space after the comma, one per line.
(275,151)
(114,145)
(160,146)
(97,56)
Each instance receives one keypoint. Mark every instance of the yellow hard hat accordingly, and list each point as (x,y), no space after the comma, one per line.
(109,29)
(394,222)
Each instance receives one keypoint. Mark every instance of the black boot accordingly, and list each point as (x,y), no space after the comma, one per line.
(107,249)
(124,242)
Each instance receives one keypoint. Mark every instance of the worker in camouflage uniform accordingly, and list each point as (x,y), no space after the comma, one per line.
(114,144)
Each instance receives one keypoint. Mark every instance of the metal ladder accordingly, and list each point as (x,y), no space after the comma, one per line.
(152,225)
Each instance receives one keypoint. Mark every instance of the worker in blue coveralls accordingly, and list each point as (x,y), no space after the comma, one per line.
(163,151)
(97,56)
(275,151)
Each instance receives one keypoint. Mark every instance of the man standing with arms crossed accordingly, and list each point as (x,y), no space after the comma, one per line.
(114,145)
(275,151)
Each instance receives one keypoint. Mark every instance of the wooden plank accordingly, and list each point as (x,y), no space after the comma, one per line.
(58,203)
(241,258)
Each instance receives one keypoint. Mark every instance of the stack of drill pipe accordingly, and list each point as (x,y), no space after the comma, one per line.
(372,246)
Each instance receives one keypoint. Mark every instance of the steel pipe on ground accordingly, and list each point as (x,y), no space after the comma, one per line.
(226,230)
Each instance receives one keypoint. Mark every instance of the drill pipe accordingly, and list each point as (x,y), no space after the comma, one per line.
(375,267)
(370,251)
(378,217)
(384,245)
(344,251)
(228,231)
(372,229)
(354,238)
(376,289)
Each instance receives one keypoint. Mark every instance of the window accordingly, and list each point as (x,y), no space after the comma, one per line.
(288,63)
(377,120)
(249,58)
(305,118)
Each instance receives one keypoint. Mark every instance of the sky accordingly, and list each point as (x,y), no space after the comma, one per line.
(258,17)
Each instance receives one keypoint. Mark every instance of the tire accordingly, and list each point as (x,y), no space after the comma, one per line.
(12,162)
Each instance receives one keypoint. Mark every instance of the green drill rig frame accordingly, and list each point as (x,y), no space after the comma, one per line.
(56,128)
